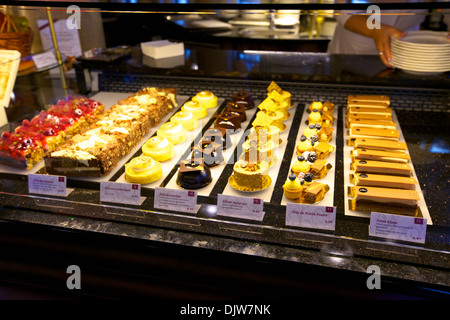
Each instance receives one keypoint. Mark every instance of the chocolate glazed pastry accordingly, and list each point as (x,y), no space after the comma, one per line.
(236,109)
(244,98)
(218,135)
(209,151)
(229,121)
(193,174)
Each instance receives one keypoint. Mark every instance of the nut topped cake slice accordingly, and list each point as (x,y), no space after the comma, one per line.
(98,151)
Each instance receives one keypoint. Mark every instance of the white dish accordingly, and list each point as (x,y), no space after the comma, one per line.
(424,39)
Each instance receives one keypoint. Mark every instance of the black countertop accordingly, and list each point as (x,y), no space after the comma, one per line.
(302,67)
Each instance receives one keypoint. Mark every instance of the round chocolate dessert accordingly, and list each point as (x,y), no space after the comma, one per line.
(237,109)
(218,135)
(193,174)
(209,151)
(228,121)
(244,98)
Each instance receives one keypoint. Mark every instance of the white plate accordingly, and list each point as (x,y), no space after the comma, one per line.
(441,64)
(425,39)
(420,49)
(421,55)
(420,69)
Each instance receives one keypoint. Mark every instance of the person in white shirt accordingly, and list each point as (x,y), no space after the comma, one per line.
(353,35)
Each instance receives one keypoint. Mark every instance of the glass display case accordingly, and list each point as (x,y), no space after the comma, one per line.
(119,77)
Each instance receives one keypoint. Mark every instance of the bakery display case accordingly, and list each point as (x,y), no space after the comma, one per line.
(183,139)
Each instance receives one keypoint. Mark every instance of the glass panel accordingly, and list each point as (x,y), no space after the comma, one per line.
(225,52)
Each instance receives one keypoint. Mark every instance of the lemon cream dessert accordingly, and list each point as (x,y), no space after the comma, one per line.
(206,98)
(315,117)
(143,170)
(301,165)
(197,109)
(316,105)
(293,187)
(186,119)
(160,149)
(174,132)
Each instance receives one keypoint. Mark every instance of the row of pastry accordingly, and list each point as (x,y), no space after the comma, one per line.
(312,150)
(112,135)
(39,136)
(381,169)
(259,151)
(208,153)
(147,167)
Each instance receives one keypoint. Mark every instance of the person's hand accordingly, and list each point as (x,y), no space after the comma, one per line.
(382,38)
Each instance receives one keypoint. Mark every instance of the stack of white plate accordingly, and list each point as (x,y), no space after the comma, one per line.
(425,52)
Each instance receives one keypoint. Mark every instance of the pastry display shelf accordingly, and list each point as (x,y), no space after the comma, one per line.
(423,209)
(84,202)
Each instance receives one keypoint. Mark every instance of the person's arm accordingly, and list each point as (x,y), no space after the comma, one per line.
(381,36)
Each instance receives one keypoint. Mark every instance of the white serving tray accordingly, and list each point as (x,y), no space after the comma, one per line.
(348,171)
(328,199)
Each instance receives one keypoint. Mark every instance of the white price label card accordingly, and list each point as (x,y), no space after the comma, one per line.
(398,227)
(310,216)
(240,207)
(125,193)
(48,185)
(43,60)
(175,200)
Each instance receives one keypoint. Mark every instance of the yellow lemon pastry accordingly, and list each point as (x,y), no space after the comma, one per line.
(143,170)
(316,105)
(186,119)
(197,109)
(304,145)
(301,165)
(160,149)
(174,132)
(315,117)
(293,187)
(206,98)
(310,131)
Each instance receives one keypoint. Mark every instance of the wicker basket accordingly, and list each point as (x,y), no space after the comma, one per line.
(13,39)
(20,41)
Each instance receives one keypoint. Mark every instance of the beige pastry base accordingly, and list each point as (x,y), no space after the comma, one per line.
(179,149)
(216,171)
(347,171)
(266,194)
(328,199)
